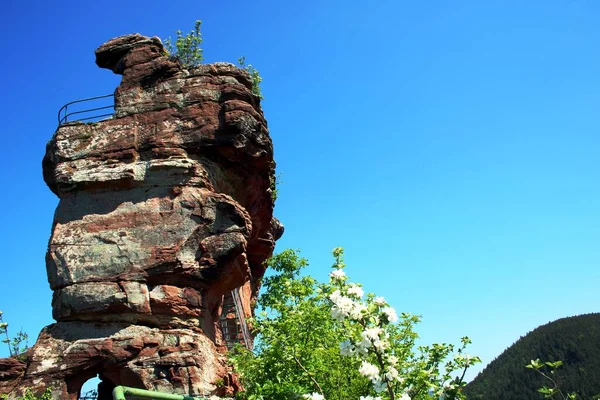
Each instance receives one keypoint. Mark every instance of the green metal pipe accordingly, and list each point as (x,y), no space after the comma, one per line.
(120,393)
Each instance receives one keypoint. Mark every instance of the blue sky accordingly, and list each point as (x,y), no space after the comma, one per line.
(450,147)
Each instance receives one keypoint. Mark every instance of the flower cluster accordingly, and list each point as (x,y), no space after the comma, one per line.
(371,315)
(384,341)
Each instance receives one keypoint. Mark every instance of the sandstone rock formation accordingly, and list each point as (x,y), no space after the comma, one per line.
(164,209)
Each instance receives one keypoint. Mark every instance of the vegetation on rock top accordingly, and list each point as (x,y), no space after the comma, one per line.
(186,49)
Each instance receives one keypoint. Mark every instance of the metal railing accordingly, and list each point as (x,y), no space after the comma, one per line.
(122,392)
(64,114)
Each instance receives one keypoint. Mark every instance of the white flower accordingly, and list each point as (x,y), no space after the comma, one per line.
(355,290)
(335,296)
(405,396)
(449,385)
(346,304)
(343,306)
(463,358)
(347,349)
(380,344)
(337,275)
(372,333)
(380,301)
(391,374)
(363,346)
(369,370)
(314,396)
(468,358)
(390,314)
(337,314)
(370,398)
(357,311)
(393,360)
(379,385)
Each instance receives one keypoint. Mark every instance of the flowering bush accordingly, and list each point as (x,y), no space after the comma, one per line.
(385,342)
(336,342)
(297,341)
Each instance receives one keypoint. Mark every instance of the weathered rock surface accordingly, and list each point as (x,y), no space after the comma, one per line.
(164,209)
(160,359)
(11,371)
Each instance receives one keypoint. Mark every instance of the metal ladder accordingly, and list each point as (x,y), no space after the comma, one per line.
(233,322)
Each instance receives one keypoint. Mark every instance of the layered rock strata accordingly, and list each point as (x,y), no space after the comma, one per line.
(164,209)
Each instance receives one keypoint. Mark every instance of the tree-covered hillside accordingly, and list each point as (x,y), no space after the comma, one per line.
(574,340)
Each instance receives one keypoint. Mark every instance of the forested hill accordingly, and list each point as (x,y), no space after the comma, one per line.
(574,340)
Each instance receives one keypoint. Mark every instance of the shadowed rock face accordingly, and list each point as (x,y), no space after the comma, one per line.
(164,209)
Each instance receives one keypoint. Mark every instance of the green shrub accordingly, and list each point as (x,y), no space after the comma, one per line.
(331,341)
(14,345)
(47,395)
(256,78)
(187,49)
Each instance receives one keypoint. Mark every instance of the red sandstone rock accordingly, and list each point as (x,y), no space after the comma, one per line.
(11,371)
(164,209)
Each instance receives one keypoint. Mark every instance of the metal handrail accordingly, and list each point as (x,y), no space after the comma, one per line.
(64,118)
(121,393)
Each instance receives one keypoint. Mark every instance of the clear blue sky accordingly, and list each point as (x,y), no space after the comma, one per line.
(450,147)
